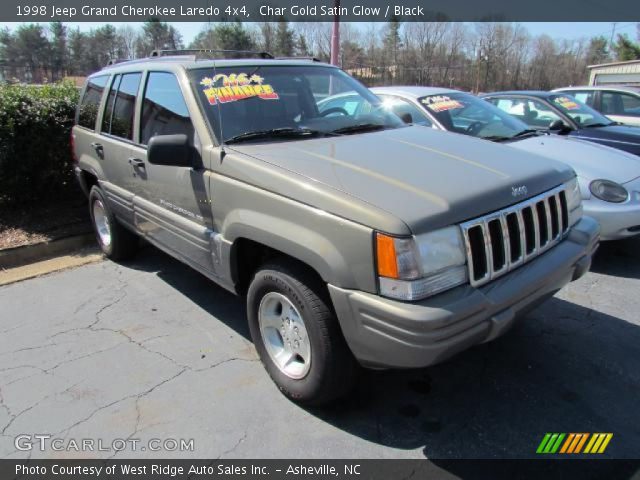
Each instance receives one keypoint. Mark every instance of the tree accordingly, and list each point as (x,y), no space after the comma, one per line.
(626,49)
(392,40)
(58,46)
(78,52)
(29,53)
(225,36)
(285,39)
(302,48)
(597,51)
(127,40)
(157,35)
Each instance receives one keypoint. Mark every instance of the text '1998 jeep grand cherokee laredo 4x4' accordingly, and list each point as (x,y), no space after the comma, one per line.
(355,238)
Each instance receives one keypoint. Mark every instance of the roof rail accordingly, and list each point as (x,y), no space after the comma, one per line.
(193,51)
(311,59)
(114,61)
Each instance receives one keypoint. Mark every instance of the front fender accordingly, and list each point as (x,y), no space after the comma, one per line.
(338,250)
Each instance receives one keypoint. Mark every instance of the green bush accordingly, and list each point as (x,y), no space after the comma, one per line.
(35,152)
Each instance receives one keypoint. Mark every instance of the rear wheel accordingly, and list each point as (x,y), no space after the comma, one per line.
(297,335)
(115,241)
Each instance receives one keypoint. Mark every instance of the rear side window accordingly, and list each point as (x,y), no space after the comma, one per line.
(164,111)
(615,103)
(120,108)
(90,103)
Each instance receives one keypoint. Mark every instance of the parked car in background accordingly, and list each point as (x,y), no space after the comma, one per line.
(562,114)
(618,102)
(609,179)
(354,238)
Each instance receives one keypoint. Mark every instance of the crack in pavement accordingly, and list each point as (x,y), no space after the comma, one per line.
(139,396)
(226,452)
(4,405)
(115,402)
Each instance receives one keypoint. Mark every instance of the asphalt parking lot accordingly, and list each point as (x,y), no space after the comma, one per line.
(152,350)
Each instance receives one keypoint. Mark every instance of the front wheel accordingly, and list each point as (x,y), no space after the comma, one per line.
(297,335)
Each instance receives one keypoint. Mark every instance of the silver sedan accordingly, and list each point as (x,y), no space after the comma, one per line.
(609,178)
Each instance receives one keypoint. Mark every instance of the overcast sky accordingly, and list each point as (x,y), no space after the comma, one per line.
(566,30)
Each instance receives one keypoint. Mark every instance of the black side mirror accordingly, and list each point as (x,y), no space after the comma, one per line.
(170,150)
(406,118)
(559,126)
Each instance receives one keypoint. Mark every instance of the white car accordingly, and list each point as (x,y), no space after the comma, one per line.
(609,178)
(621,103)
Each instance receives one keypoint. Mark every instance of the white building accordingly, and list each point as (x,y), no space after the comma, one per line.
(627,73)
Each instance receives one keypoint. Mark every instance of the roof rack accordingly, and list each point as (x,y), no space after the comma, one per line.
(193,51)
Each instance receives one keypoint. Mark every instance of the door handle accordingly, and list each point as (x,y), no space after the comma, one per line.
(98,148)
(136,163)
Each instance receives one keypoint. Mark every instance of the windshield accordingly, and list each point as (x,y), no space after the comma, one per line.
(580,113)
(464,113)
(275,103)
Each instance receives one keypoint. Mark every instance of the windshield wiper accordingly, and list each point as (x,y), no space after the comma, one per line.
(284,132)
(496,138)
(528,131)
(362,127)
(595,125)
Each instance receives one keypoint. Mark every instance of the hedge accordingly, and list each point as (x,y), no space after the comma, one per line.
(35,152)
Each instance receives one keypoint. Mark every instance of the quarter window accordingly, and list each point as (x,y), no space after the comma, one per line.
(164,111)
(583,96)
(120,109)
(88,113)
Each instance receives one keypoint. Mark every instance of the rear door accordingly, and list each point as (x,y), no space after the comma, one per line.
(170,203)
(116,140)
(86,138)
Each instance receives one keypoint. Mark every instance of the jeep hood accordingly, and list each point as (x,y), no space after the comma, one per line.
(426,178)
(590,160)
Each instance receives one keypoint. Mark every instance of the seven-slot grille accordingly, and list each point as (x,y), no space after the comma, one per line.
(501,241)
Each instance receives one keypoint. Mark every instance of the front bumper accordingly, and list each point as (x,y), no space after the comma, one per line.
(617,220)
(384,333)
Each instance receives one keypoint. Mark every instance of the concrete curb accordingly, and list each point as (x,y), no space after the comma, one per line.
(19,256)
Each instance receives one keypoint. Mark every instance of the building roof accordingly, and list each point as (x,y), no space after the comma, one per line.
(613,64)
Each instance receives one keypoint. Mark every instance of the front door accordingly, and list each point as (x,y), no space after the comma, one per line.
(170,203)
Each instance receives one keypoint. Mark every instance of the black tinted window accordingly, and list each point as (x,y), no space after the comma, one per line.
(124,103)
(91,101)
(108,109)
(164,111)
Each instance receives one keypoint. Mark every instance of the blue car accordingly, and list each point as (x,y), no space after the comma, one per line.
(562,114)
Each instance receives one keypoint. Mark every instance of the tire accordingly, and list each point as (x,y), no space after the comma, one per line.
(331,370)
(115,241)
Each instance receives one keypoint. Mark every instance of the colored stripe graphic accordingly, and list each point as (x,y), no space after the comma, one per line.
(574,443)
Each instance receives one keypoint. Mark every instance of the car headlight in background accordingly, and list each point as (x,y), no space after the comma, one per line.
(608,191)
(574,201)
(412,268)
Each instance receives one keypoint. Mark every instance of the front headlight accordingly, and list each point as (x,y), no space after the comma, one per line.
(608,191)
(574,201)
(413,268)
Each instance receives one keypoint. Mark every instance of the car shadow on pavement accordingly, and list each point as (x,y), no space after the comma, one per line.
(620,258)
(215,300)
(563,368)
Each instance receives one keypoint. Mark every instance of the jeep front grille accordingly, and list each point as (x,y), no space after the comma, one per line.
(502,241)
